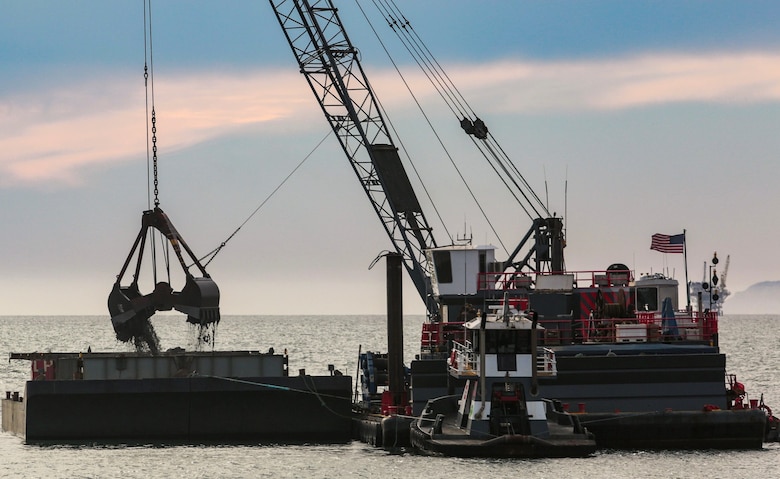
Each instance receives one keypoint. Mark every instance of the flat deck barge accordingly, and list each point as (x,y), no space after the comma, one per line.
(176,395)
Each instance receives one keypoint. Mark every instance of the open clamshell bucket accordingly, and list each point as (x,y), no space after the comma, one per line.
(199,300)
(130,309)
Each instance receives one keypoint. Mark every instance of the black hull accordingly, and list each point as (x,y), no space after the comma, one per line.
(739,429)
(274,409)
(438,431)
(383,431)
(638,378)
(507,446)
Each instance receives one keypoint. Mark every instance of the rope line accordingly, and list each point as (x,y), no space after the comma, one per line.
(310,391)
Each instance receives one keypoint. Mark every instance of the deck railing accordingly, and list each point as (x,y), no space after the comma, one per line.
(580,279)
(546,365)
(465,362)
(645,327)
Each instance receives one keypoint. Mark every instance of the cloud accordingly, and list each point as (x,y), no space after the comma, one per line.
(51,135)
(625,83)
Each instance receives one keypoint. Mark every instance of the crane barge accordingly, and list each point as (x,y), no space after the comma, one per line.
(632,361)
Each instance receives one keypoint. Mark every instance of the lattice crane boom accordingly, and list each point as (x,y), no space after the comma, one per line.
(330,64)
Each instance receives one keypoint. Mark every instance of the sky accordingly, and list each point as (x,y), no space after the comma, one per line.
(628,118)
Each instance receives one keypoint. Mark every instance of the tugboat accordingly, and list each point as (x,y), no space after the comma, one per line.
(499,412)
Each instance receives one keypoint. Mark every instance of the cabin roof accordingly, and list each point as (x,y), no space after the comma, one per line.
(463,247)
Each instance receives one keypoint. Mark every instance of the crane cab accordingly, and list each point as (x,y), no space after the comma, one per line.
(458,268)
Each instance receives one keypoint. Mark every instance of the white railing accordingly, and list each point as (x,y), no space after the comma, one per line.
(463,359)
(546,365)
(465,362)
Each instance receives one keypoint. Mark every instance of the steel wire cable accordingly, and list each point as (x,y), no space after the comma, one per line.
(457,103)
(438,137)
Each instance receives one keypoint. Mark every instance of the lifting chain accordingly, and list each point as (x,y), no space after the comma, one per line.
(154,157)
(148,38)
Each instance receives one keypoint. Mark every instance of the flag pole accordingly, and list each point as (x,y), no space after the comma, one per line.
(685,260)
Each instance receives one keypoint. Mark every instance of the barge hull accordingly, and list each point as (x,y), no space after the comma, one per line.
(276,409)
(733,429)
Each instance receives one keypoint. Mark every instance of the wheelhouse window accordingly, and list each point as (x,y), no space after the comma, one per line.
(647,299)
(513,341)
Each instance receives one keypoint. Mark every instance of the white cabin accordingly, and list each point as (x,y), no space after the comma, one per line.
(457,268)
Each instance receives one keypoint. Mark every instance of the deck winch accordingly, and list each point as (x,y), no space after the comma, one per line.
(130,309)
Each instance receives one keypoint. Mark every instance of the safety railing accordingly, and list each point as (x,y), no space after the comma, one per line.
(546,365)
(645,327)
(465,362)
(580,279)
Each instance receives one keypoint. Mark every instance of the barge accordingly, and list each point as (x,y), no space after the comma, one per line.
(176,396)
(638,370)
(620,350)
(649,379)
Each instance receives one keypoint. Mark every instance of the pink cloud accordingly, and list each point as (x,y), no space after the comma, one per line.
(51,135)
(624,83)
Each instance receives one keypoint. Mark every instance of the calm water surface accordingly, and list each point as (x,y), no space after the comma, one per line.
(751,343)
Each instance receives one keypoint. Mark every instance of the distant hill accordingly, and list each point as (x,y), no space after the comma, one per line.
(761,298)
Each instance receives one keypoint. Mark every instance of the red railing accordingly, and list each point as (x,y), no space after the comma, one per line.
(437,337)
(580,279)
(645,327)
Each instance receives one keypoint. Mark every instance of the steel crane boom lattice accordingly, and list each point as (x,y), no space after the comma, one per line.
(330,64)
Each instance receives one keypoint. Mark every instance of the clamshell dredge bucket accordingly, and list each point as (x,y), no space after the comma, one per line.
(199,300)
(130,310)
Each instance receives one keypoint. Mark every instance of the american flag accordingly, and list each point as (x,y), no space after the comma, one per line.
(668,243)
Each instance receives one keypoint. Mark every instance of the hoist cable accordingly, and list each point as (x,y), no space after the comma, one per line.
(433,69)
(392,127)
(518,174)
(436,134)
(211,254)
(509,175)
(154,114)
(424,55)
(147,102)
(151,127)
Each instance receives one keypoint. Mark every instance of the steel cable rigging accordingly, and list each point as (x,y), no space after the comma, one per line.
(491,150)
(131,309)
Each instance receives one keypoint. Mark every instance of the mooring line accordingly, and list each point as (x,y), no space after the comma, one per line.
(269,386)
(584,423)
(319,396)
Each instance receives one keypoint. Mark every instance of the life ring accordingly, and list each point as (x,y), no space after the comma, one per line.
(453,360)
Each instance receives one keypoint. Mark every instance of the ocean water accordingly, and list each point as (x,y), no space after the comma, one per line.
(751,343)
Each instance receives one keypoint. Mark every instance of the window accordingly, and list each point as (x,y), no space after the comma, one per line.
(443,264)
(510,341)
(647,299)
